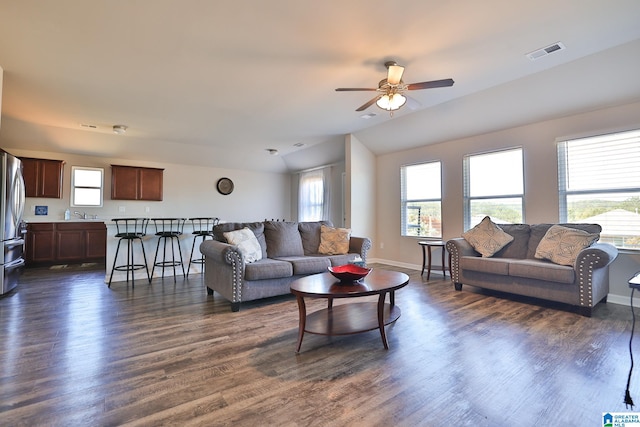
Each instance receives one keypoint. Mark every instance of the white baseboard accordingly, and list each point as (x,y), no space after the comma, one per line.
(417,267)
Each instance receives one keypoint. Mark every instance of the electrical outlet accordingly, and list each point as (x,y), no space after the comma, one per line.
(381,245)
(147,209)
(121,209)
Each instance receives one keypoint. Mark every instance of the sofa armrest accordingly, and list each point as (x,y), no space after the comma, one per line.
(597,255)
(224,269)
(458,248)
(592,272)
(360,245)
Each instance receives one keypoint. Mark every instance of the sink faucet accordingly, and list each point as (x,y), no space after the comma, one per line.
(82,215)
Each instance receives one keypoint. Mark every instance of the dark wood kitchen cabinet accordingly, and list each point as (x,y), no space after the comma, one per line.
(65,242)
(42,177)
(136,183)
(40,244)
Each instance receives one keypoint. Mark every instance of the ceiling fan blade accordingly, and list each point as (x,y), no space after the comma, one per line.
(368,104)
(351,89)
(430,85)
(394,75)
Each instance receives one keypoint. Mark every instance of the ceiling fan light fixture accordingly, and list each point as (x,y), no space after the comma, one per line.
(394,76)
(391,101)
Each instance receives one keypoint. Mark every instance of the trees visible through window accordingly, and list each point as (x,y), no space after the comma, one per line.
(599,182)
(86,186)
(494,187)
(421,200)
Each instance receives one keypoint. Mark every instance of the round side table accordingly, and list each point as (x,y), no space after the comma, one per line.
(426,255)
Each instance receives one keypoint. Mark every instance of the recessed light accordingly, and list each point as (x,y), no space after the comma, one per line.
(272,151)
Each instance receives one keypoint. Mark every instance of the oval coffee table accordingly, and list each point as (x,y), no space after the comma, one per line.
(352,318)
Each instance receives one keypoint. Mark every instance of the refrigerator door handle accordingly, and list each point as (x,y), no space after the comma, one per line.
(14,243)
(18,197)
(14,264)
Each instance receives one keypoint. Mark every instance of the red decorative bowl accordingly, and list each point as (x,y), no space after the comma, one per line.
(349,272)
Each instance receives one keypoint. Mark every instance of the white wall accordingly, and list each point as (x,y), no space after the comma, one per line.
(189,191)
(360,191)
(541,186)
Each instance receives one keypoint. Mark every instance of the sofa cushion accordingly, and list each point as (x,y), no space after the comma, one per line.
(342,259)
(283,239)
(268,268)
(542,270)
(334,241)
(308,264)
(256,227)
(562,245)
(310,235)
(485,265)
(246,242)
(518,247)
(539,230)
(487,238)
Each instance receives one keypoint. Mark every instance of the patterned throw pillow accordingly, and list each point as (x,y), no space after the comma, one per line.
(487,238)
(246,242)
(334,241)
(561,245)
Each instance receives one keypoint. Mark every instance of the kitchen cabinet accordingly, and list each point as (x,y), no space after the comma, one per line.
(42,177)
(39,244)
(136,183)
(65,242)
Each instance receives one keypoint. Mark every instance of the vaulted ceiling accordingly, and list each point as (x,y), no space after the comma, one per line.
(217,83)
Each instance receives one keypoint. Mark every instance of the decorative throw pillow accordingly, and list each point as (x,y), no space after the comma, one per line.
(246,242)
(283,239)
(561,245)
(487,238)
(334,241)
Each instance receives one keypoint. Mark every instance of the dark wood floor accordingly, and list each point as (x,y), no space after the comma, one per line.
(76,353)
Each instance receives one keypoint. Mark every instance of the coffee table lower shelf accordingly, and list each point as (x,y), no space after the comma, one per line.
(347,319)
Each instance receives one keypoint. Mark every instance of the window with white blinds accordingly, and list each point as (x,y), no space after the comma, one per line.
(421,200)
(599,182)
(494,187)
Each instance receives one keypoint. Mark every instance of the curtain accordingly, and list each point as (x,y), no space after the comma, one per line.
(314,197)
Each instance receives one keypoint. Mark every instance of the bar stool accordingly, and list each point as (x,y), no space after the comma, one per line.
(130,230)
(202,227)
(168,231)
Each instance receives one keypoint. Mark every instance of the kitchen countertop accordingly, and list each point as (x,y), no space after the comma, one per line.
(43,220)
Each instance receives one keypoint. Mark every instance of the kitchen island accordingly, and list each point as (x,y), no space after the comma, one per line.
(51,242)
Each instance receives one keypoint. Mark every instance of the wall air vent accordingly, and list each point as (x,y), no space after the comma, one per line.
(537,54)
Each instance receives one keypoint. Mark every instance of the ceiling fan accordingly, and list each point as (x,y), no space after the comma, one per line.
(391,89)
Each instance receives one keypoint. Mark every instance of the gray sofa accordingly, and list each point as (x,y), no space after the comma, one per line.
(289,251)
(515,269)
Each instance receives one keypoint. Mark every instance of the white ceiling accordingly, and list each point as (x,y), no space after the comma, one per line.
(216,83)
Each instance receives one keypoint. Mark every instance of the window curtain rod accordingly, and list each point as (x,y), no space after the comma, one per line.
(316,168)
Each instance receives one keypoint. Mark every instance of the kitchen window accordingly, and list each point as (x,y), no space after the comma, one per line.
(86,186)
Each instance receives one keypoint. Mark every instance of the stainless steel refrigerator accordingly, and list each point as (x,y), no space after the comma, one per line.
(12,202)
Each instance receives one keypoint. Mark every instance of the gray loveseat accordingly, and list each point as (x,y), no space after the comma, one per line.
(289,251)
(516,270)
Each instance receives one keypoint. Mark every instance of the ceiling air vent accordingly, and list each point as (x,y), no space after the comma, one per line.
(537,54)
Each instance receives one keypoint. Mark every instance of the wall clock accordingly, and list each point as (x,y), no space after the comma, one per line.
(224,186)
